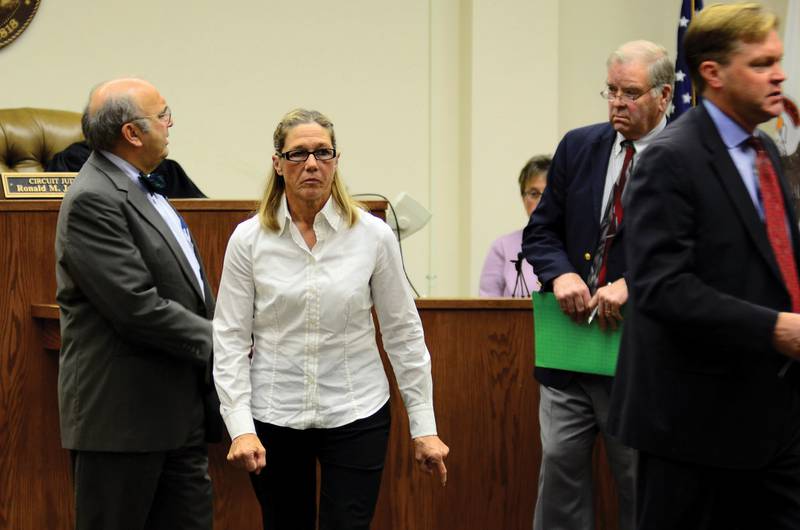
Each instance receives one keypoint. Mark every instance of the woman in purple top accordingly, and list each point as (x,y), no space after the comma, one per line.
(501,275)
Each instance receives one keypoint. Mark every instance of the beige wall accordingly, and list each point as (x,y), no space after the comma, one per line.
(444,99)
(589,31)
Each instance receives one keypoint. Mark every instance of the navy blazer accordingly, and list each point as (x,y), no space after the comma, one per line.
(697,377)
(564,231)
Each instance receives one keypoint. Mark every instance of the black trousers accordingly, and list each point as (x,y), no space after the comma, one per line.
(673,495)
(165,490)
(351,459)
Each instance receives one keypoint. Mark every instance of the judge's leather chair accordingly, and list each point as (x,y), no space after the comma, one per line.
(30,137)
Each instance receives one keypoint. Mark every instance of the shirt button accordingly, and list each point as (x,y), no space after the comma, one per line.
(587,256)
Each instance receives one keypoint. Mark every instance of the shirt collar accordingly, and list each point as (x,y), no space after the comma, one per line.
(330,213)
(126,167)
(731,132)
(640,144)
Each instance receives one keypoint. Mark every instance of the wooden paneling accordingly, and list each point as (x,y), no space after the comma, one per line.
(33,492)
(486,402)
(486,399)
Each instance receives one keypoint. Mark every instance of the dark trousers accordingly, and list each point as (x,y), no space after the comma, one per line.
(674,495)
(165,490)
(351,461)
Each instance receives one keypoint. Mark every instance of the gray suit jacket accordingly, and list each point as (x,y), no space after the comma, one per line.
(134,370)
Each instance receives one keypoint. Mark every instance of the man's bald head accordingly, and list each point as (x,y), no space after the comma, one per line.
(126,87)
(118,117)
(111,105)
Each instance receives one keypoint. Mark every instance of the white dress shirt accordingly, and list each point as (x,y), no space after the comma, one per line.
(315,363)
(617,158)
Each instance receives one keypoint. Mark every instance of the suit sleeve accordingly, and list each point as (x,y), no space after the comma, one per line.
(543,237)
(661,254)
(105,262)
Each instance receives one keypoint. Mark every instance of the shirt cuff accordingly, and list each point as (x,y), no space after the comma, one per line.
(240,422)
(422,422)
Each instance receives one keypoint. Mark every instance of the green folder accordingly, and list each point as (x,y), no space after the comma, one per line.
(579,347)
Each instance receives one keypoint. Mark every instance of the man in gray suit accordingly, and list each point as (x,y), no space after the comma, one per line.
(135,397)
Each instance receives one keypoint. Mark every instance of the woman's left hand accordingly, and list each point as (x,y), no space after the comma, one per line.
(430,452)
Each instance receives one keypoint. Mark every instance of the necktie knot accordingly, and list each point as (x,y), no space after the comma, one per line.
(628,146)
(154,183)
(756,143)
(630,150)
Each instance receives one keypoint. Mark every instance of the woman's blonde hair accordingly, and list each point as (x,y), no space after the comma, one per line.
(276,186)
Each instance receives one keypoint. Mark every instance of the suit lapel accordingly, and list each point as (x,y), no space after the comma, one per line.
(724,169)
(138,200)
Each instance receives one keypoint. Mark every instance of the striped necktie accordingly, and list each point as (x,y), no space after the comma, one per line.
(611,221)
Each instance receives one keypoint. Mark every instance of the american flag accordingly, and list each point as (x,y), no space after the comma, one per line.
(685,97)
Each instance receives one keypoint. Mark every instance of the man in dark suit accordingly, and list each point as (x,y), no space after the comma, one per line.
(574,242)
(135,397)
(706,388)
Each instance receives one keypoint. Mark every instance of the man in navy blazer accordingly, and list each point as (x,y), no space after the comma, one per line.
(574,242)
(707,386)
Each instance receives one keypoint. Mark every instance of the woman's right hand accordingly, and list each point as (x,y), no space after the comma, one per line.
(246,452)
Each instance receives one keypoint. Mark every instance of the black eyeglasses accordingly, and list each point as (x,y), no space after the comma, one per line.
(532,194)
(627,96)
(301,155)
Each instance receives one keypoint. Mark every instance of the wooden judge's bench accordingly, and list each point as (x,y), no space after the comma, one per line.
(485,397)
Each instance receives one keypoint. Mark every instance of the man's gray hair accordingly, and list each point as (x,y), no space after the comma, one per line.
(103,127)
(660,70)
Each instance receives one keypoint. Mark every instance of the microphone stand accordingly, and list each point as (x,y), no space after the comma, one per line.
(520,285)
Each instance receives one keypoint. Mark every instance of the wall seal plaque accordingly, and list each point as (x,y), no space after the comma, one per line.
(15,15)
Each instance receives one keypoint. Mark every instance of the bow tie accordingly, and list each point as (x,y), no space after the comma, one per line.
(154,183)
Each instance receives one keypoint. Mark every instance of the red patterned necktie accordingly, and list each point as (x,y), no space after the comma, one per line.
(614,218)
(775,219)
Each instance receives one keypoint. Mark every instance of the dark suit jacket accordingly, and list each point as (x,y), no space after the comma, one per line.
(697,377)
(136,335)
(564,230)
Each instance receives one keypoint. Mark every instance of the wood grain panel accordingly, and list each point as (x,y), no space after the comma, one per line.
(486,402)
(34,487)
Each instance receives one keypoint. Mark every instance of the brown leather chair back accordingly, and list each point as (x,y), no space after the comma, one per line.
(30,137)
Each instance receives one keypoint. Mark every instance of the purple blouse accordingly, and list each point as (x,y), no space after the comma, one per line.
(499,275)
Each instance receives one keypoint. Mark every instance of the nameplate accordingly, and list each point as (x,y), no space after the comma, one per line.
(36,185)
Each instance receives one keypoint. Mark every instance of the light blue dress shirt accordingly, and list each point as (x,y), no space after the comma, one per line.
(174,221)
(743,156)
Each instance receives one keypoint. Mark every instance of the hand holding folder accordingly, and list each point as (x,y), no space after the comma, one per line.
(567,345)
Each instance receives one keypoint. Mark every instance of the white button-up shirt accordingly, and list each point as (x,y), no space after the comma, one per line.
(314,361)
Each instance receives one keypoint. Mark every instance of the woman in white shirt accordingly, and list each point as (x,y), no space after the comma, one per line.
(298,285)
